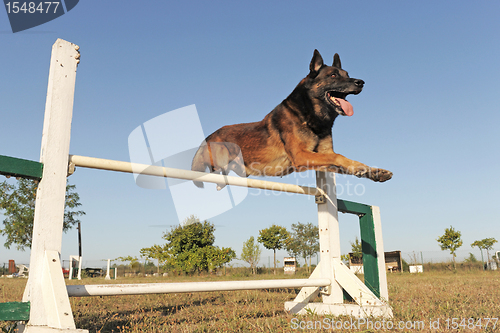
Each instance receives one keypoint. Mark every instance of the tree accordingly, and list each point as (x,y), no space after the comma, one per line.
(190,247)
(345,258)
(273,238)
(488,245)
(251,253)
(18,202)
(357,249)
(155,252)
(485,244)
(451,240)
(471,258)
(479,244)
(304,241)
(293,247)
(134,263)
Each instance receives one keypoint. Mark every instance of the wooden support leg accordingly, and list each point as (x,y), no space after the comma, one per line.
(46,291)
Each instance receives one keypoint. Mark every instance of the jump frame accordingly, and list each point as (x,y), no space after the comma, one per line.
(47,293)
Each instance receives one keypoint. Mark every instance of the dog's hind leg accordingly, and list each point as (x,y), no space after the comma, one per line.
(227,157)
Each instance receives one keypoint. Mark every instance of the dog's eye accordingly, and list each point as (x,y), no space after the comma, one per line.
(334,75)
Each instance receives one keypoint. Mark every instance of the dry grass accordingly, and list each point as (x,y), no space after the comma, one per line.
(414,298)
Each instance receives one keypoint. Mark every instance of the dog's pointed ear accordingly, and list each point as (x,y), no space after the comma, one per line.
(336,61)
(316,63)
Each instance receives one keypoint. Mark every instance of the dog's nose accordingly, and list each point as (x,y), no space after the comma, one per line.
(359,83)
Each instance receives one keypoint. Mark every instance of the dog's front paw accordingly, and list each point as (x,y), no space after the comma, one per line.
(380,175)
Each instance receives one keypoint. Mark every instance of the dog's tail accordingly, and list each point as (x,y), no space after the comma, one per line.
(201,162)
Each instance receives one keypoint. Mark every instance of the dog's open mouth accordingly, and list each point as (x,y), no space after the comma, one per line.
(339,101)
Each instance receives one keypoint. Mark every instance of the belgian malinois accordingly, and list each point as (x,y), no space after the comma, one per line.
(295,136)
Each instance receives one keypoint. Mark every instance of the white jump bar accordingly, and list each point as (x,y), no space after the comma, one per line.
(189,287)
(104,164)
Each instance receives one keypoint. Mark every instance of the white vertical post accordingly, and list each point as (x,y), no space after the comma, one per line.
(107,271)
(51,308)
(70,275)
(382,272)
(329,235)
(79,276)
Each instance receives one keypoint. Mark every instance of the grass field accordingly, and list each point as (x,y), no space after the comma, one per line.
(461,300)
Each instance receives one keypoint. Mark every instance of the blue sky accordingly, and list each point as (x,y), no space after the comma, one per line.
(429,111)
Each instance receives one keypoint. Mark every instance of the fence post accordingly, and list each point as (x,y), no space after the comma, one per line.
(382,270)
(46,290)
(329,236)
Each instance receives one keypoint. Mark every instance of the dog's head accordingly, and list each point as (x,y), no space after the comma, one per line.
(329,85)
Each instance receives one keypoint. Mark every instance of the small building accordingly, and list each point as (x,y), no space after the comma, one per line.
(416,268)
(289,265)
(393,262)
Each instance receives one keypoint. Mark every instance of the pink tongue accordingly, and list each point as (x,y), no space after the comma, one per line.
(346,106)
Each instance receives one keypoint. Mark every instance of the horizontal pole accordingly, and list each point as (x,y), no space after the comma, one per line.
(145,169)
(189,287)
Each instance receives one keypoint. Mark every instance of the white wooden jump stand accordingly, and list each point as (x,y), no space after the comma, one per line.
(71,268)
(46,290)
